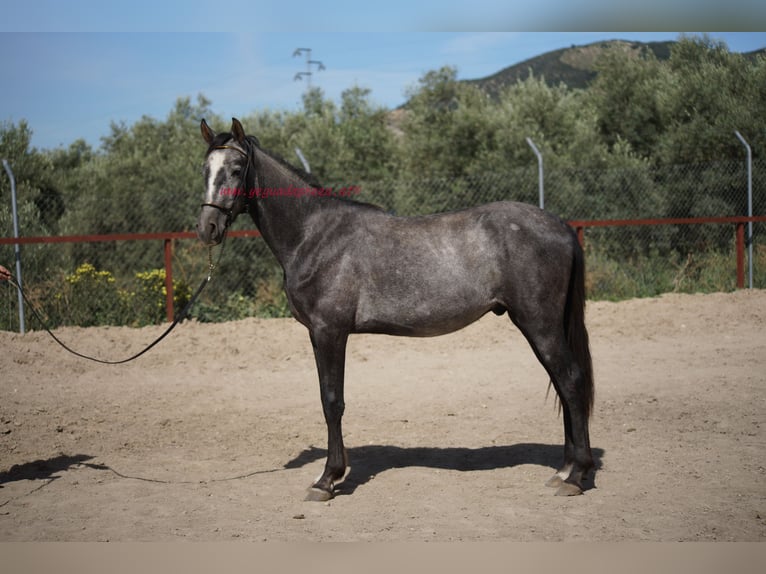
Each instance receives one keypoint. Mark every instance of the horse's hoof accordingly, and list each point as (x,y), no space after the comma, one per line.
(568,489)
(555,481)
(315,494)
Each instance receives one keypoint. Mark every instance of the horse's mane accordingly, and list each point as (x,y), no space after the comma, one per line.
(309,178)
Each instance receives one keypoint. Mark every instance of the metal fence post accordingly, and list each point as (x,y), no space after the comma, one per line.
(539,172)
(740,242)
(304,161)
(749,209)
(17,247)
(169,312)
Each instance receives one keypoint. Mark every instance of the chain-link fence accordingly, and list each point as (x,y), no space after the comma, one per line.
(122,282)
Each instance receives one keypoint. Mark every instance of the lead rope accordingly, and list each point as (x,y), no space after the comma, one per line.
(210,264)
(178,318)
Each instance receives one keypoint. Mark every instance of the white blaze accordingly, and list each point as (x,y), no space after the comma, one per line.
(215,163)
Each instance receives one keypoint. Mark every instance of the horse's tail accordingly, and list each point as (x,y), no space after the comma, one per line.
(574,326)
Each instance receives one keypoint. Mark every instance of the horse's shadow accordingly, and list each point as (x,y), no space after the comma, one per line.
(42,469)
(368,461)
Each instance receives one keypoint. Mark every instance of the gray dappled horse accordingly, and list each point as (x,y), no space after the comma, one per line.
(351,267)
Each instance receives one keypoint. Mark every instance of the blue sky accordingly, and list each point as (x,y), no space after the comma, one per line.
(70,82)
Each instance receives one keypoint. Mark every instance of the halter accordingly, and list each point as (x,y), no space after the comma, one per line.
(226,210)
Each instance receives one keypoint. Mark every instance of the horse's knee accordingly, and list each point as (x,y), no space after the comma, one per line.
(333,406)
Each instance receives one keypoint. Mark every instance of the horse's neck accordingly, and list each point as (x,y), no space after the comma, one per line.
(279,215)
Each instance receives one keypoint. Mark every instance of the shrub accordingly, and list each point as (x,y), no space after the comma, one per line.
(149,298)
(90,297)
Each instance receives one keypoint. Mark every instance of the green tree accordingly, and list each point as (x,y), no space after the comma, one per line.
(367,146)
(40,207)
(713,92)
(628,94)
(39,201)
(144,178)
(343,145)
(446,126)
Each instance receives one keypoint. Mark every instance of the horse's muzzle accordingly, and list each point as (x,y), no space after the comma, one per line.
(211,226)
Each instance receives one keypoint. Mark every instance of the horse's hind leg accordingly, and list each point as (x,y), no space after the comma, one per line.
(567,479)
(551,349)
(330,354)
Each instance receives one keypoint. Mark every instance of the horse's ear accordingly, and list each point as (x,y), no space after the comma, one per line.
(207,134)
(237,131)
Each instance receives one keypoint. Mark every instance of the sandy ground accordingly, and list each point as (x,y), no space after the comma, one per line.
(216,433)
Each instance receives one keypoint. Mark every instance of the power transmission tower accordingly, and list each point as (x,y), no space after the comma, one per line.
(309,62)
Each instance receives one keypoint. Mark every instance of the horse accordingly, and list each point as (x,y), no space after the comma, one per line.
(352,267)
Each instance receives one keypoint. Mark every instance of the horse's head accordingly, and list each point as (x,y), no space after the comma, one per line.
(229,176)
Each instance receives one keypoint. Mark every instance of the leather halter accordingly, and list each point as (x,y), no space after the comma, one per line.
(226,210)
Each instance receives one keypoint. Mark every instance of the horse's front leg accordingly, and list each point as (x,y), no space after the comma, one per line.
(330,354)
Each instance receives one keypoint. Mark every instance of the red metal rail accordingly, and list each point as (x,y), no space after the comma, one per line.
(166,237)
(579,225)
(738,221)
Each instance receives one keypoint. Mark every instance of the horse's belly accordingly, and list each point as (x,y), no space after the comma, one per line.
(427,318)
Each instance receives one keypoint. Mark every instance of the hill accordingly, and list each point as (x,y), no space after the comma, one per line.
(573,66)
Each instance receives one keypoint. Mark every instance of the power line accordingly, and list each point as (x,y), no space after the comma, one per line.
(309,62)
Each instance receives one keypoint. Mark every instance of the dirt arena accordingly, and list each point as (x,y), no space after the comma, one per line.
(216,433)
